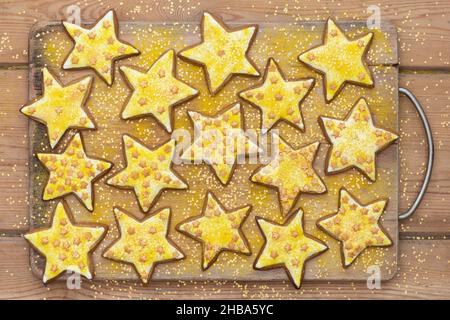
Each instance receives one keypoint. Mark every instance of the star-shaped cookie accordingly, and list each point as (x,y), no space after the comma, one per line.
(219,141)
(61,107)
(291,172)
(278,98)
(355,141)
(356,226)
(143,243)
(287,246)
(156,90)
(340,60)
(97,47)
(72,172)
(65,245)
(217,229)
(222,52)
(148,171)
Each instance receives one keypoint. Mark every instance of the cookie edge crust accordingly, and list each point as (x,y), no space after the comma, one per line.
(204,67)
(240,231)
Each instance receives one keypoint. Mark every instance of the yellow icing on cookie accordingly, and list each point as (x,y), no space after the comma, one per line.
(217,229)
(356,226)
(143,243)
(341,60)
(65,245)
(291,172)
(148,171)
(72,172)
(98,47)
(219,141)
(156,90)
(288,246)
(61,108)
(277,98)
(222,52)
(355,141)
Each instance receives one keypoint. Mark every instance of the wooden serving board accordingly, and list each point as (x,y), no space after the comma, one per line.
(49,45)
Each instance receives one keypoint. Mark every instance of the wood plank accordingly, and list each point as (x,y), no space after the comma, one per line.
(431,218)
(13,151)
(424,273)
(423,32)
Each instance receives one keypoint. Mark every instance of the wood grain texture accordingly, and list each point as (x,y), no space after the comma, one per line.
(423,26)
(424,273)
(13,151)
(431,219)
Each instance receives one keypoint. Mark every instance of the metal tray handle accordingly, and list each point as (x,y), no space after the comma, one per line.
(430,161)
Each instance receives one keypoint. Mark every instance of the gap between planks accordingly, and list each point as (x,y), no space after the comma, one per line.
(424,274)
(422,25)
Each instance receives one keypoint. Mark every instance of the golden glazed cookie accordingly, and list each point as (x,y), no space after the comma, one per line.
(61,107)
(97,47)
(73,172)
(277,98)
(291,172)
(340,60)
(217,229)
(143,243)
(222,52)
(219,140)
(156,91)
(287,246)
(65,245)
(355,141)
(148,171)
(356,226)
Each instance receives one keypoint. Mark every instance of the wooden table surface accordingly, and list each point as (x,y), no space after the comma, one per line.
(424,48)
